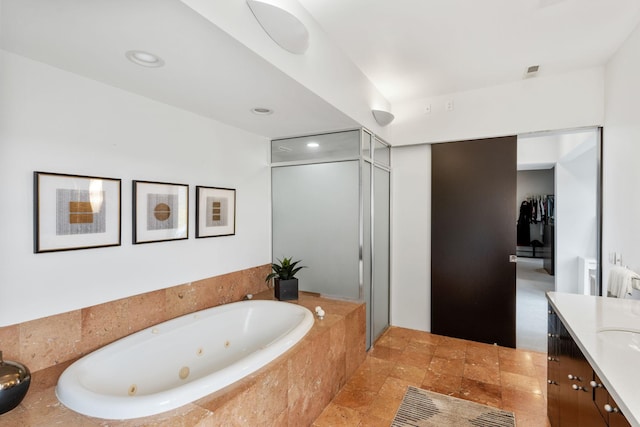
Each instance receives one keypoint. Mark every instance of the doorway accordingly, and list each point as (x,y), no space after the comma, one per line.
(560,173)
(536,252)
(461,286)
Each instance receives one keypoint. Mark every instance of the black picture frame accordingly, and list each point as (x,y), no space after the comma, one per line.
(215,211)
(74,212)
(160,212)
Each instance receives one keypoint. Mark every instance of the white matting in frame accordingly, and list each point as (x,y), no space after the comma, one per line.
(160,211)
(215,212)
(75,212)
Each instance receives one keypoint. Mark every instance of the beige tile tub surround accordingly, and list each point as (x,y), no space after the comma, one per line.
(48,345)
(290,391)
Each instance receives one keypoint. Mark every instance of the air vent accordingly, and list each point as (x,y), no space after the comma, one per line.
(532,71)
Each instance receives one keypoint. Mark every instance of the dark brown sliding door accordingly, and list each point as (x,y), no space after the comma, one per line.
(473,289)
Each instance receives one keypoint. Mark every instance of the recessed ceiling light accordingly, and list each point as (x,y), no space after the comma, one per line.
(261,111)
(143,58)
(313,145)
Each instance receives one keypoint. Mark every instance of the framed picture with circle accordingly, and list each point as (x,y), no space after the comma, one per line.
(160,211)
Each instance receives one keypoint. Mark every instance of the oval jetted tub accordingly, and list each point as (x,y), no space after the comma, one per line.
(181,360)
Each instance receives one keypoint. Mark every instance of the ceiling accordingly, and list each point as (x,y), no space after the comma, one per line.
(409,49)
(206,71)
(414,49)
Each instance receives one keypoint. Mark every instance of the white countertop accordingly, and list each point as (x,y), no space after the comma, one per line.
(595,324)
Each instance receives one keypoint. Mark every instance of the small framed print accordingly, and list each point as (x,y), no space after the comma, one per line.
(160,212)
(75,212)
(215,212)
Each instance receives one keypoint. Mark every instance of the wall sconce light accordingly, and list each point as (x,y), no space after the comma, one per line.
(382,117)
(283,28)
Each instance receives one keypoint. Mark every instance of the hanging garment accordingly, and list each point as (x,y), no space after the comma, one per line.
(550,207)
(534,209)
(523,232)
(539,210)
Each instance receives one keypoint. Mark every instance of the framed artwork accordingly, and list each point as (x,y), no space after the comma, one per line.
(160,212)
(215,212)
(75,212)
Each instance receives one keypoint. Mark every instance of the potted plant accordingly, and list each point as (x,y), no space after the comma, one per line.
(285,282)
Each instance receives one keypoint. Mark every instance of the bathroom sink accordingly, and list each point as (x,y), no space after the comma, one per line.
(625,337)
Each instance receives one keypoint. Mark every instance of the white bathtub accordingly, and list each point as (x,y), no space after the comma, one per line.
(181,360)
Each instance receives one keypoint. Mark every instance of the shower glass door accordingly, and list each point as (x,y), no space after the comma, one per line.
(381,251)
(315,219)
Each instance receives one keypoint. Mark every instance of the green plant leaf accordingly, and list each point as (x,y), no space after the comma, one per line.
(285,269)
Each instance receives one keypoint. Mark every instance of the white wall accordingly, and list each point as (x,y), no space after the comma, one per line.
(621,180)
(411,237)
(566,101)
(54,121)
(545,149)
(575,216)
(533,183)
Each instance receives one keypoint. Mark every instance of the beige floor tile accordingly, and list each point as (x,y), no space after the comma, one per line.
(338,416)
(504,378)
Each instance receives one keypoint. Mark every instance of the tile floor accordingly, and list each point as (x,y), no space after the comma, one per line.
(505,378)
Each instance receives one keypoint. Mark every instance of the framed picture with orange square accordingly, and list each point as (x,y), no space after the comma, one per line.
(75,212)
(215,212)
(160,212)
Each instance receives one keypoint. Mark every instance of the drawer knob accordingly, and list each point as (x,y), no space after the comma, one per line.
(576,387)
(595,384)
(573,377)
(611,409)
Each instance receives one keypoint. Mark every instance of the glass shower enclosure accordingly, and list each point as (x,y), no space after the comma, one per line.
(331,209)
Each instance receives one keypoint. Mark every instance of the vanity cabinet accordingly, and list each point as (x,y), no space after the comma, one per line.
(607,406)
(576,396)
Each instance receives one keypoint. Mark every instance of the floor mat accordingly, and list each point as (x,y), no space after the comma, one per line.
(422,408)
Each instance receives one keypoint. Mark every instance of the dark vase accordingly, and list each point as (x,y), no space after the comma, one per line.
(14,383)
(286,289)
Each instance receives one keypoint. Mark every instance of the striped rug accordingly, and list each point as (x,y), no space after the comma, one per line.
(422,408)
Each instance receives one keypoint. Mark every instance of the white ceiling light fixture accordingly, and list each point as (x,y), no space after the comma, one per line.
(382,117)
(146,59)
(283,28)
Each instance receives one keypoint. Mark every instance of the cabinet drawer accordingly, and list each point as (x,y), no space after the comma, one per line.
(600,396)
(576,396)
(616,418)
